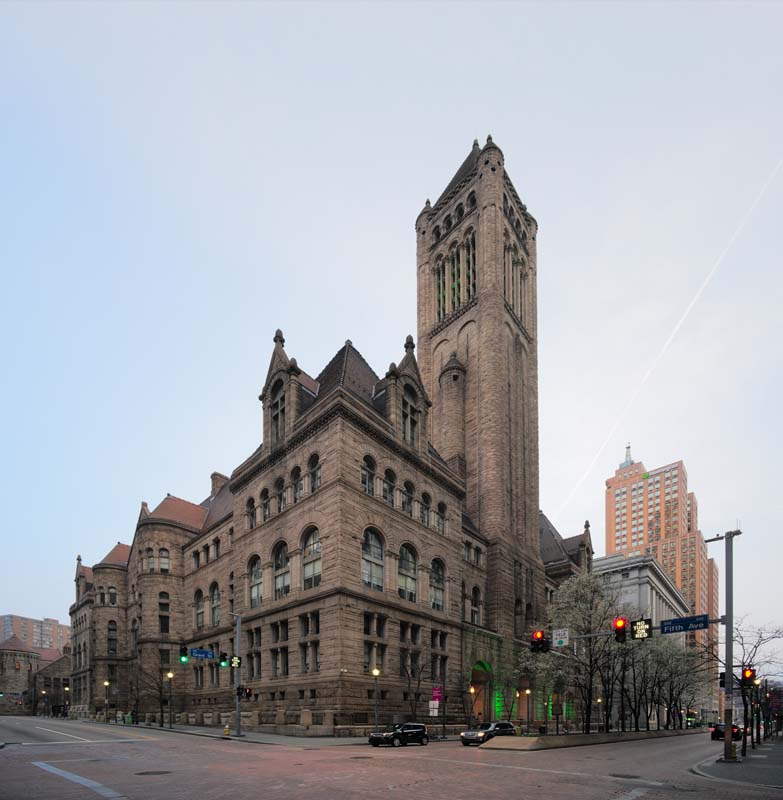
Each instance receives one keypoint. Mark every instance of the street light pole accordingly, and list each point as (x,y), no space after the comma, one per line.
(528,692)
(238,674)
(66,700)
(170,676)
(471,692)
(375,673)
(106,702)
(728,710)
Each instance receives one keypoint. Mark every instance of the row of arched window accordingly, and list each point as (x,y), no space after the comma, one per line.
(284,493)
(405,497)
(450,221)
(112,595)
(514,278)
(516,222)
(456,276)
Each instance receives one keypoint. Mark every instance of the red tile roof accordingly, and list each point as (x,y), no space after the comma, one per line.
(119,555)
(15,643)
(177,510)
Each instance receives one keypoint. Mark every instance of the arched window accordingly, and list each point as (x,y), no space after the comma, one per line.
(134,635)
(436,233)
(280,494)
(372,559)
(112,638)
(522,289)
(456,277)
(265,512)
(406,574)
(112,596)
(440,518)
(282,568)
(437,584)
(470,265)
(389,481)
(163,560)
(514,266)
(471,201)
(368,476)
(475,606)
(410,416)
(440,288)
(214,604)
(256,581)
(278,412)
(101,596)
(163,612)
(250,513)
(314,468)
(407,498)
(460,211)
(311,559)
(150,560)
(424,509)
(198,600)
(447,223)
(297,484)
(506,259)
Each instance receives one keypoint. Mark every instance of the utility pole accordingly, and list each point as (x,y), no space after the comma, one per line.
(728,711)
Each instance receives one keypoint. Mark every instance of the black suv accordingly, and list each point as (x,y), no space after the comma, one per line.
(718,731)
(406,733)
(485,731)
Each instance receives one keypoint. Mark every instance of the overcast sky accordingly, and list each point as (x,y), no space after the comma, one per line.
(179,180)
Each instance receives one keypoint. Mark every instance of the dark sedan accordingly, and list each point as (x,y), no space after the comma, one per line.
(718,731)
(406,733)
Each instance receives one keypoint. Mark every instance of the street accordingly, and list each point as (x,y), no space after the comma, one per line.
(64,759)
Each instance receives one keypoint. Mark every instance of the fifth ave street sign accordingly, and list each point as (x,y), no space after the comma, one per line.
(685,624)
(560,637)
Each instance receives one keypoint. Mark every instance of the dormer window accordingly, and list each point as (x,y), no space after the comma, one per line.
(410,416)
(278,412)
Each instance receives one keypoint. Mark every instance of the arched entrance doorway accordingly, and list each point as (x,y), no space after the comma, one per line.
(480,692)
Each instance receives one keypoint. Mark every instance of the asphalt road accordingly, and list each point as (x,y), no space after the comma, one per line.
(65,760)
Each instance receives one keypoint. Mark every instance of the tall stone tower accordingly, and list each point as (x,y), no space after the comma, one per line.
(477,332)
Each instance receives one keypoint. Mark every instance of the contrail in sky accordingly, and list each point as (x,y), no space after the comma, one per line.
(662,352)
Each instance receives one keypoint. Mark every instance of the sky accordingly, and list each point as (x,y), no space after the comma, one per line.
(178,180)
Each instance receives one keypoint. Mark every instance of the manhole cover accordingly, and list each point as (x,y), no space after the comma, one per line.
(618,775)
(154,772)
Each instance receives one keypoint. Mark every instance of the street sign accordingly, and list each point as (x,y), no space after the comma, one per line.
(198,652)
(685,624)
(437,694)
(641,629)
(434,705)
(560,637)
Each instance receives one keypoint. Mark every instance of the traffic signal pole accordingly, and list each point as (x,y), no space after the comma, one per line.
(728,709)
(238,674)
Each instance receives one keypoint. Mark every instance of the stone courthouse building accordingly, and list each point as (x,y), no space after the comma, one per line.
(386,521)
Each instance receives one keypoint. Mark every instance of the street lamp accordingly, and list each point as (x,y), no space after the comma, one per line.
(472,692)
(528,693)
(170,676)
(67,708)
(376,673)
(106,685)
(46,701)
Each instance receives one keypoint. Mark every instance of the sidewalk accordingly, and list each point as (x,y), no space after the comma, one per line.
(761,767)
(252,737)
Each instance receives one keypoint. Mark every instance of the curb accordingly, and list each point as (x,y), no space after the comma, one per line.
(696,770)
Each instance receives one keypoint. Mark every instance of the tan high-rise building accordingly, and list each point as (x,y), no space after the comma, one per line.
(652,513)
(48,633)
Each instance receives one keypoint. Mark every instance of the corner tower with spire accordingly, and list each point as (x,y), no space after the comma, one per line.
(477,331)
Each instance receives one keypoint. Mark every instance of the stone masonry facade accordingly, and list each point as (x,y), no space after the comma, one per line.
(385,523)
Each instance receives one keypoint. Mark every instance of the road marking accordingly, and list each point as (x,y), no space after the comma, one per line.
(633,794)
(84,741)
(98,788)
(62,733)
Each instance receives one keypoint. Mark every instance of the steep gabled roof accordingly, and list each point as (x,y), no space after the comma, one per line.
(349,370)
(550,541)
(175,509)
(118,555)
(468,168)
(16,644)
(218,507)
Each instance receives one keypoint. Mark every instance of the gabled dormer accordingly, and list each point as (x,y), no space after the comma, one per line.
(280,395)
(404,400)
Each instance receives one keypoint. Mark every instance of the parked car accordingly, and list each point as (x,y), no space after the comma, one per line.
(396,735)
(485,731)
(718,731)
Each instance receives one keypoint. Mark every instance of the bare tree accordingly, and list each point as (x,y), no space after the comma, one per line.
(412,667)
(148,685)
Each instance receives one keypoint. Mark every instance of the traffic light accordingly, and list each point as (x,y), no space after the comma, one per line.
(722,680)
(248,692)
(240,691)
(537,640)
(620,625)
(748,675)
(183,654)
(236,662)
(223,660)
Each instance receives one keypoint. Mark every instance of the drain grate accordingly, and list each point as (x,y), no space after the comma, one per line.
(154,772)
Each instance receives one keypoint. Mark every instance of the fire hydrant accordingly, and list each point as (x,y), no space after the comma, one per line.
(226,732)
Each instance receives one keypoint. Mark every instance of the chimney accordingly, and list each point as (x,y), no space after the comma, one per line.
(218,482)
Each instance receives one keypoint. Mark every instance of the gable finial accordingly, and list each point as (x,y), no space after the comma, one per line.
(409,345)
(279,337)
